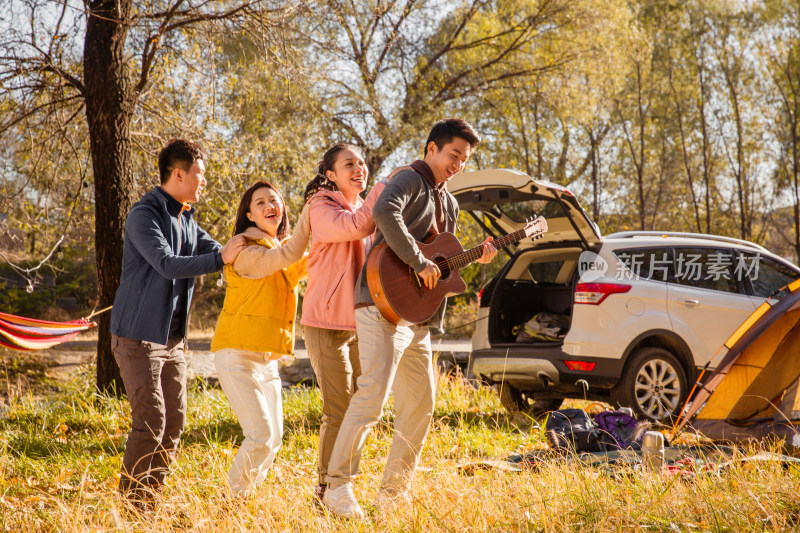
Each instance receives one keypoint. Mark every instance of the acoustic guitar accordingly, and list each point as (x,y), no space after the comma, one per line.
(400,294)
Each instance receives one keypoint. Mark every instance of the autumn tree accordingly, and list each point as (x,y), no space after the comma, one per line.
(392,68)
(554,126)
(731,31)
(688,68)
(278,129)
(782,64)
(98,59)
(641,119)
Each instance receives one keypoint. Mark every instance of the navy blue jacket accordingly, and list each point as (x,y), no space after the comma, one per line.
(151,262)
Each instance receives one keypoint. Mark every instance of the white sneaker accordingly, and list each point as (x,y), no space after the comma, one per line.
(387,502)
(342,502)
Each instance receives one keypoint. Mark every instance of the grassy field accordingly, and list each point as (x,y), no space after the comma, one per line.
(61,448)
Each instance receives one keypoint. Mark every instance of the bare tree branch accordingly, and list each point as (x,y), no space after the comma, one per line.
(171,22)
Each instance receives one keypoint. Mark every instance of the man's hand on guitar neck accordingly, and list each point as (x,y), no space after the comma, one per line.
(489,251)
(430,275)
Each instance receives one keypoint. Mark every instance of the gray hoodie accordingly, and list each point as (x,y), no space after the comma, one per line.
(404,214)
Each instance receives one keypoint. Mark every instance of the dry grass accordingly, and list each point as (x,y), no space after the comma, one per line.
(61,454)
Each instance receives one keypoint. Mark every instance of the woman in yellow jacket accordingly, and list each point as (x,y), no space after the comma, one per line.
(256,327)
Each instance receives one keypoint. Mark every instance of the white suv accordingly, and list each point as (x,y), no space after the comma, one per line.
(629,318)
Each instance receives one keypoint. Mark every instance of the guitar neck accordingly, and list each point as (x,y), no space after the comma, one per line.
(467,257)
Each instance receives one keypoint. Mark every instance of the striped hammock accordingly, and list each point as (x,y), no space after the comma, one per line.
(21,333)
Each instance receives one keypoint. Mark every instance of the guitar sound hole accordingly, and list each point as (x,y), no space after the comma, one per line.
(443,268)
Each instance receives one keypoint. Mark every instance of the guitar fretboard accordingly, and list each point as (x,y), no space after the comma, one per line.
(459,261)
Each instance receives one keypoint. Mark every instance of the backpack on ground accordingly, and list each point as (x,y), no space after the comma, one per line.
(573,430)
(623,428)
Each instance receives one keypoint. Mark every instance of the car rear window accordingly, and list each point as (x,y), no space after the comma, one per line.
(646,263)
(546,271)
(522,211)
(767,275)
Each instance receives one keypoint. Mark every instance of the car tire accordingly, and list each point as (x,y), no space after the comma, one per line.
(518,401)
(653,384)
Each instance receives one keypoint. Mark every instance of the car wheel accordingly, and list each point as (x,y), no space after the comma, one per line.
(518,401)
(653,384)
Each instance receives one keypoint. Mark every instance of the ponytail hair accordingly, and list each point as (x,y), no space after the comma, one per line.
(321,181)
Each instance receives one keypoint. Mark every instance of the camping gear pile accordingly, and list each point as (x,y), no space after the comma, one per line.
(615,439)
(571,430)
(542,327)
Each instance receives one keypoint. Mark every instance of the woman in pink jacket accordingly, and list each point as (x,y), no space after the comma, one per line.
(341,232)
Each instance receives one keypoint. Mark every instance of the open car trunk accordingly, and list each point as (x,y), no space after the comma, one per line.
(532,297)
(530,300)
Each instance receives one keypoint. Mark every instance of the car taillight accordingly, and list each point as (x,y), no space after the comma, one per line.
(580,365)
(595,293)
(480,294)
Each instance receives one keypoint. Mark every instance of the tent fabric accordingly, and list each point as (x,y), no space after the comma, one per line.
(20,333)
(724,431)
(753,392)
(760,374)
(790,406)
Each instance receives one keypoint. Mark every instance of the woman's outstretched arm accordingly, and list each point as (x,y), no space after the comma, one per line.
(256,262)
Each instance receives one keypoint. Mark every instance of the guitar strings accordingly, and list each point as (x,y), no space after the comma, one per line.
(453,262)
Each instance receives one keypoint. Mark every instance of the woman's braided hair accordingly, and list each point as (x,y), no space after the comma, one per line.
(321,181)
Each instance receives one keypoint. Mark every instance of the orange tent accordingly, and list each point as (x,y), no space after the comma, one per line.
(753,393)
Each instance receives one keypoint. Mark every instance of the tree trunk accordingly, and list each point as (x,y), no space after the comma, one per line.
(109,110)
(524,135)
(640,167)
(687,163)
(707,170)
(595,178)
(374,158)
(374,162)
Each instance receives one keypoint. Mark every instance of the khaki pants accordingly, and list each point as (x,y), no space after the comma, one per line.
(253,387)
(397,359)
(334,358)
(155,381)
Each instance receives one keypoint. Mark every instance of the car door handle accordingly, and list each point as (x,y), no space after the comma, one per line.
(691,301)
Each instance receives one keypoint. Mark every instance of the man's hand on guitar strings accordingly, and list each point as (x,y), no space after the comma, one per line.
(430,275)
(489,251)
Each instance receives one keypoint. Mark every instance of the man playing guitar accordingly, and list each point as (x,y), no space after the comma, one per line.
(414,204)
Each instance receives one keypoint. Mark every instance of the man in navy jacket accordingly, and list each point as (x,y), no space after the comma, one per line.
(163,250)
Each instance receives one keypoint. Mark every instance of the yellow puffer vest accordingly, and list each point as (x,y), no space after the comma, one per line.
(259,314)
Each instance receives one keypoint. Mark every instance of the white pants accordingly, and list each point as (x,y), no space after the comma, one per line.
(397,359)
(253,386)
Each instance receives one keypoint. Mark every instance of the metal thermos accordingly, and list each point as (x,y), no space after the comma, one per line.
(653,451)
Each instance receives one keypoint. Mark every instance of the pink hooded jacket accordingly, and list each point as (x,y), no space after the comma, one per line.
(336,257)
